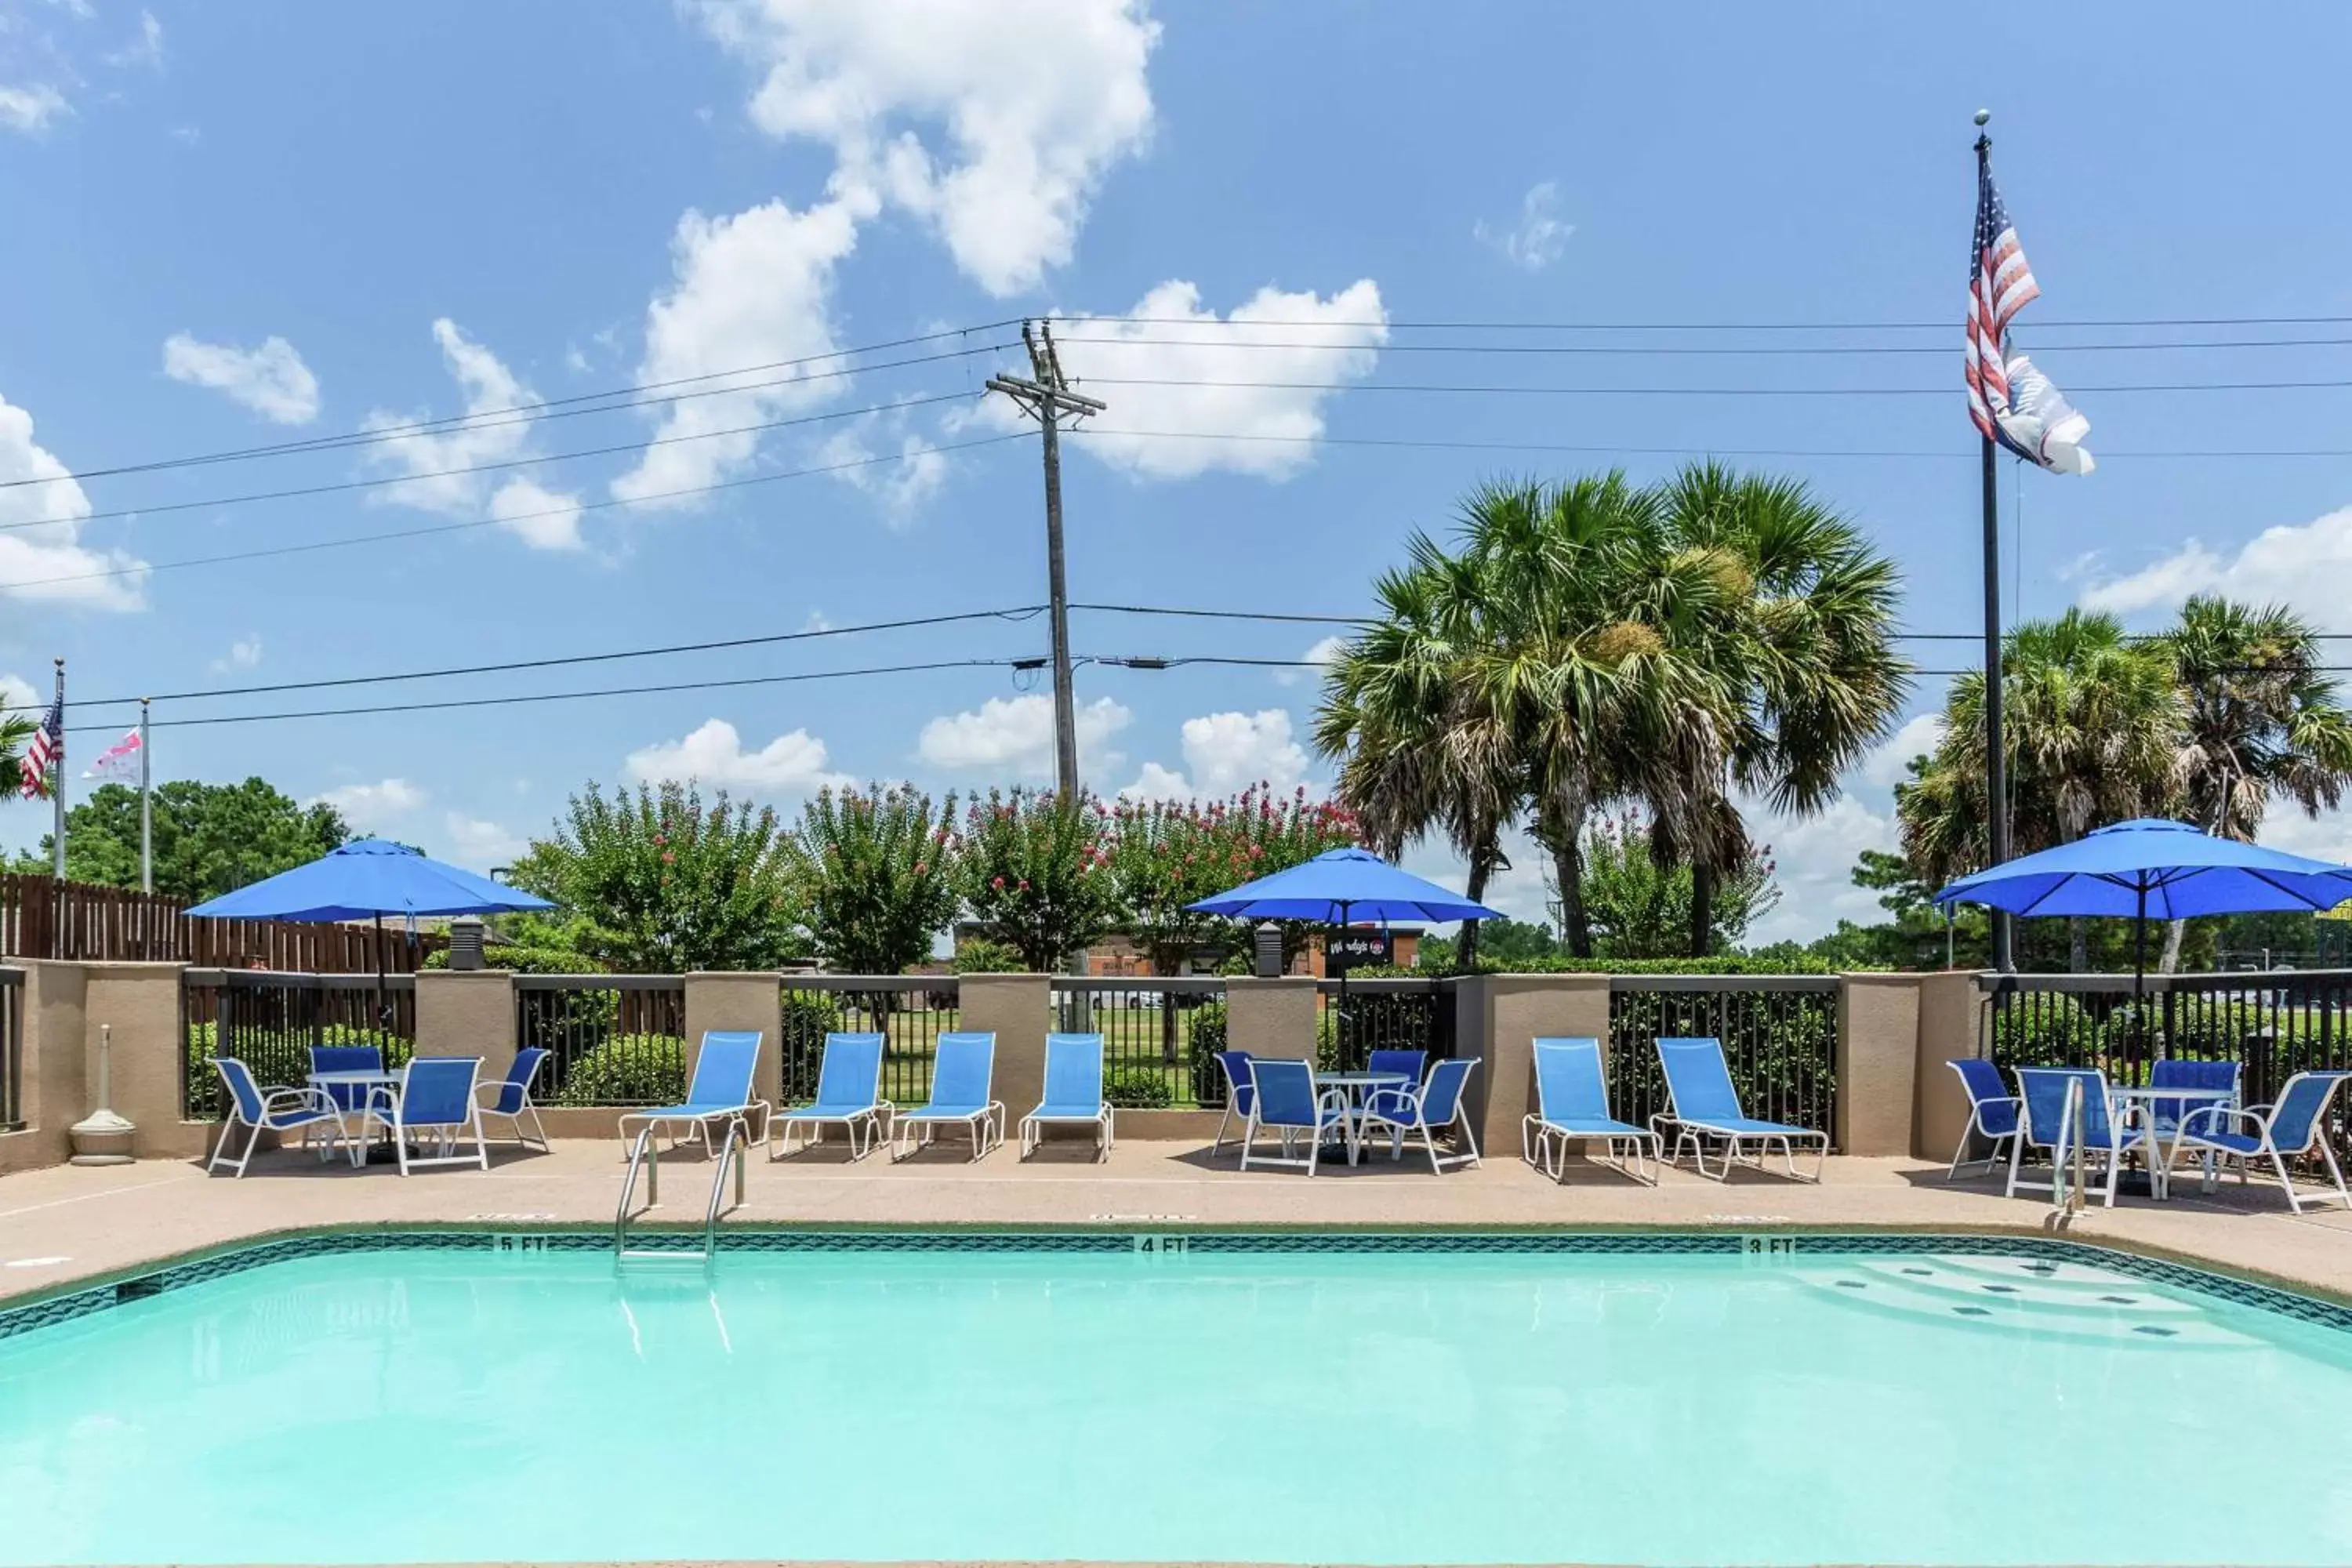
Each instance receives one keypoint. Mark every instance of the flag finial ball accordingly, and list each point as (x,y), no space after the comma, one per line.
(1983,115)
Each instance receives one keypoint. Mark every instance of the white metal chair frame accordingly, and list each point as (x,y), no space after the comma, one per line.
(294,1099)
(1991,1162)
(911,1131)
(1033,1130)
(2262,1117)
(1400,1127)
(2123,1140)
(388,1109)
(1333,1109)
(529,1107)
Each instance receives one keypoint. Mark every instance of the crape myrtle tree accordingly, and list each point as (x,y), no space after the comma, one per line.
(658,882)
(1036,865)
(879,867)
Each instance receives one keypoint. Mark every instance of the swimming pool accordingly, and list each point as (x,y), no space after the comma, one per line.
(1474,1399)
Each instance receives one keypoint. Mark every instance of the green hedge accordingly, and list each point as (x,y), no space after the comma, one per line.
(278,1058)
(627,1069)
(1137,1089)
(1735,963)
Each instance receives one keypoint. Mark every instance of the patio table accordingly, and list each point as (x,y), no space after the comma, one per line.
(375,1081)
(2139,1099)
(1360,1086)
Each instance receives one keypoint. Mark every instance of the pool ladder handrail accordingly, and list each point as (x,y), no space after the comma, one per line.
(646,1155)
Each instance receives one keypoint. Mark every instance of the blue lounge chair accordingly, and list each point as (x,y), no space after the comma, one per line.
(1074,1093)
(1992,1111)
(274,1109)
(434,1103)
(2295,1124)
(848,1096)
(1701,1103)
(963,1066)
(1286,1102)
(512,1093)
(1430,1107)
(2045,1092)
(348,1098)
(721,1091)
(1239,1094)
(1572,1106)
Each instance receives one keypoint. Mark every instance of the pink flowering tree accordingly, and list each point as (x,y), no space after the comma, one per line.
(1171,854)
(879,868)
(1038,868)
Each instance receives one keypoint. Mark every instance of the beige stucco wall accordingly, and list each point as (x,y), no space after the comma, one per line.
(140,1002)
(55,1086)
(1949,1006)
(1271,1017)
(467,1012)
(1518,1009)
(750,1000)
(1018,1009)
(1877,1055)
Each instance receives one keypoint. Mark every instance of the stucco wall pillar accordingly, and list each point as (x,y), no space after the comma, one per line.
(53,1064)
(141,1003)
(1271,1017)
(469,1013)
(1950,1005)
(748,1000)
(1019,1010)
(1877,1062)
(1513,1011)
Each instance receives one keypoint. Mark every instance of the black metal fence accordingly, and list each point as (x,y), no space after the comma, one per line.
(269,1020)
(12,1049)
(1362,1016)
(1779,1033)
(1160,1036)
(911,1011)
(618,1039)
(2276,1023)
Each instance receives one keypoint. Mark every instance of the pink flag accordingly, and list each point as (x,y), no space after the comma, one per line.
(120,761)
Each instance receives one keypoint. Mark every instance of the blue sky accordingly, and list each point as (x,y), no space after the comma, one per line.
(248,224)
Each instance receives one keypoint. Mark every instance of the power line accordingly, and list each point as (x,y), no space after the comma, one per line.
(1227,615)
(1678,350)
(388,479)
(1678,391)
(431,530)
(1433,444)
(1944,325)
(552,408)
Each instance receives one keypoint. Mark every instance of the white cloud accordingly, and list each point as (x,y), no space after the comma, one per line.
(1014,735)
(146,51)
(1890,764)
(2307,566)
(271,380)
(1225,752)
(478,844)
(1324,342)
(901,487)
(538,516)
(714,755)
(40,555)
(30,107)
(1320,656)
(18,695)
(751,290)
(1536,238)
(245,653)
(995,122)
(499,407)
(1813,859)
(374,808)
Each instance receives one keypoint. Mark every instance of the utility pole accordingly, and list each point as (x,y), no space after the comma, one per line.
(1044,396)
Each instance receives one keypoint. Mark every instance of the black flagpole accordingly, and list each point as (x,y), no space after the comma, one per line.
(1996,760)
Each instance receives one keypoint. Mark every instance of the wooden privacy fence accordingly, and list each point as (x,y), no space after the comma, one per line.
(87,922)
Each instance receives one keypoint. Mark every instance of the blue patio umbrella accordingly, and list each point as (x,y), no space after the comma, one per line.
(368,878)
(1339,885)
(2152,866)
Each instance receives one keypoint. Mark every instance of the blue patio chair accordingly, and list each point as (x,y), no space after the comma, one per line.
(348,1098)
(433,1103)
(1992,1110)
(1701,1103)
(1074,1093)
(279,1109)
(848,1096)
(1239,1093)
(511,1093)
(1572,1106)
(2295,1124)
(1432,1106)
(2164,1115)
(721,1091)
(1286,1102)
(2044,1093)
(962,1068)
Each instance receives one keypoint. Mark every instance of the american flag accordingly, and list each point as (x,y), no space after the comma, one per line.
(49,744)
(2000,284)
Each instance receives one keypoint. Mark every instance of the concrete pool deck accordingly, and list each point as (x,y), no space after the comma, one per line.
(66,1224)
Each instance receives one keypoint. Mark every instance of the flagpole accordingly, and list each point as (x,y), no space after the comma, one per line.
(1996,759)
(146,811)
(58,782)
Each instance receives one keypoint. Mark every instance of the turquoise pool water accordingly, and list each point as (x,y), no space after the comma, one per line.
(436,1405)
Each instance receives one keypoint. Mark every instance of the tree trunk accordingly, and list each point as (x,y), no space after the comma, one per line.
(2078,945)
(1482,866)
(1568,868)
(2174,931)
(1702,910)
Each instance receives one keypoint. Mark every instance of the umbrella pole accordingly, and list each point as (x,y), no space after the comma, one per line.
(2139,969)
(380,1020)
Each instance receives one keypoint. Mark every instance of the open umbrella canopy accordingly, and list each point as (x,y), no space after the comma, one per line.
(369,876)
(1339,886)
(2155,868)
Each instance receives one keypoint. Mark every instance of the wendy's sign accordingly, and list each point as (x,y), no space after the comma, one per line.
(1354,948)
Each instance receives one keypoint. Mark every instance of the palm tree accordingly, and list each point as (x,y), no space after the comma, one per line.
(15,730)
(2260,720)
(2092,727)
(1792,615)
